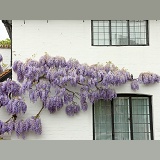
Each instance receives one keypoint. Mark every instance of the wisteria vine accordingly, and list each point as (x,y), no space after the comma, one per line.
(59,83)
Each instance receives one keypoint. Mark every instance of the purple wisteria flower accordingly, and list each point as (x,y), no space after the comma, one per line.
(72,109)
(4,99)
(148,78)
(32,124)
(54,104)
(135,85)
(10,86)
(21,127)
(16,106)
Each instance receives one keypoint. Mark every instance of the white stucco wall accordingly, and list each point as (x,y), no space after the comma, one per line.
(6,53)
(73,39)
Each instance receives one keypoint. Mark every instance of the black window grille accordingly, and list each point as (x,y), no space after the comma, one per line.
(128,117)
(120,33)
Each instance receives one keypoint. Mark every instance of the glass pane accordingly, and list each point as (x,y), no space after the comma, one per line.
(119,29)
(101,23)
(141,136)
(113,23)
(121,136)
(137,29)
(106,36)
(97,128)
(119,39)
(124,127)
(102,120)
(103,128)
(132,29)
(119,23)
(95,23)
(143,41)
(101,35)
(121,118)
(125,29)
(132,41)
(132,36)
(138,128)
(143,28)
(107,42)
(137,32)
(95,42)
(137,23)
(106,29)
(101,29)
(104,136)
(124,24)
(106,23)
(101,42)
(114,29)
(95,36)
(140,118)
(95,29)
(143,35)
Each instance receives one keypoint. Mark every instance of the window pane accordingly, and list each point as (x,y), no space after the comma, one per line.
(95,42)
(143,35)
(102,120)
(107,42)
(132,41)
(121,136)
(141,136)
(124,127)
(101,42)
(121,118)
(114,29)
(137,32)
(119,32)
(95,23)
(95,36)
(101,23)
(95,29)
(106,23)
(119,39)
(106,29)
(101,35)
(125,29)
(119,29)
(140,117)
(101,29)
(114,23)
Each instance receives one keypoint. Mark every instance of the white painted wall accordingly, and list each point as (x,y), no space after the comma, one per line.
(72,38)
(6,53)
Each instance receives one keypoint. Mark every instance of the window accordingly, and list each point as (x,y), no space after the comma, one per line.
(120,33)
(128,117)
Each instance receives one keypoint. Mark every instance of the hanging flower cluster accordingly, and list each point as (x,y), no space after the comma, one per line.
(148,78)
(59,83)
(95,82)
(21,127)
(11,99)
